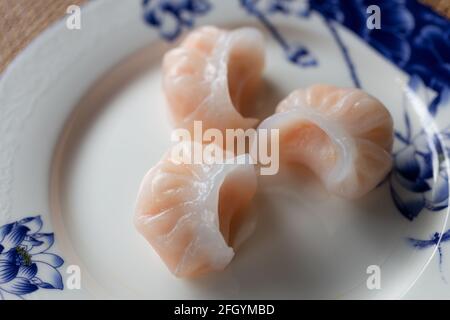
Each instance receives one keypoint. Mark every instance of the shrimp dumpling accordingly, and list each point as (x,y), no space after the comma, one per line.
(194,215)
(343,135)
(212,77)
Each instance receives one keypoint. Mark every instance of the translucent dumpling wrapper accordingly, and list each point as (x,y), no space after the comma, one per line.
(213,76)
(195,215)
(343,135)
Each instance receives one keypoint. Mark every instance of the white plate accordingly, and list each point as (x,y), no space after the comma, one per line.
(83,118)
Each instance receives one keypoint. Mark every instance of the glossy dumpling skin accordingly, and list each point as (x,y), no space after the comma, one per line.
(212,77)
(343,135)
(195,215)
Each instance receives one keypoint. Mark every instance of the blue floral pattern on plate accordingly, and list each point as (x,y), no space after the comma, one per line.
(412,36)
(415,185)
(296,53)
(435,240)
(170,17)
(26,265)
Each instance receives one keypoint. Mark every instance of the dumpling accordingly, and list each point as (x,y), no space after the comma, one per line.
(194,215)
(212,77)
(343,135)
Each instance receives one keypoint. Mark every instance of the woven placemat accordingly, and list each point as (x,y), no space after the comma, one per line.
(441,6)
(23,20)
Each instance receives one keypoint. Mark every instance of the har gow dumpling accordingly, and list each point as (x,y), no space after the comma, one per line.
(194,215)
(212,76)
(343,135)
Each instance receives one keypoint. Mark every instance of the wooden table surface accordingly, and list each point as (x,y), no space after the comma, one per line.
(22,20)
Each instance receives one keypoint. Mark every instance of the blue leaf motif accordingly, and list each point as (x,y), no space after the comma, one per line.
(279,6)
(407,126)
(435,240)
(410,204)
(300,55)
(171,17)
(440,101)
(296,53)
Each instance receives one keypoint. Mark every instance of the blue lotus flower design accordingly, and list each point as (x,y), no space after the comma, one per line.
(26,264)
(415,183)
(170,17)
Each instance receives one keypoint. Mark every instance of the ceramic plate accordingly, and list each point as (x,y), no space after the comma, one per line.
(83,118)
